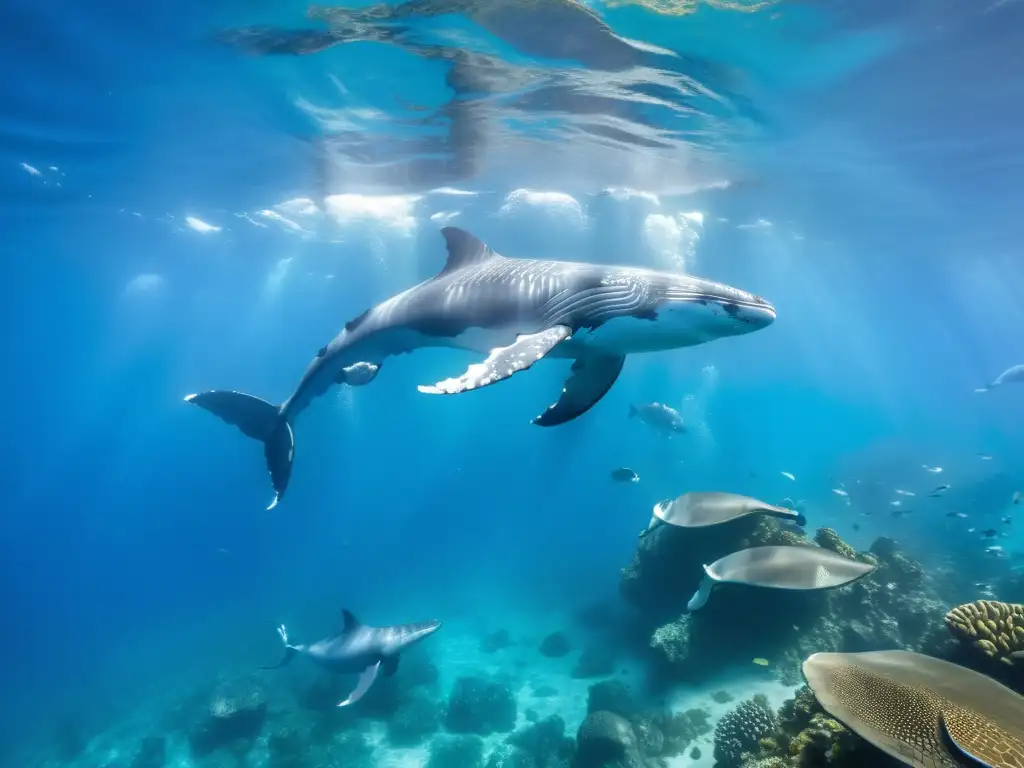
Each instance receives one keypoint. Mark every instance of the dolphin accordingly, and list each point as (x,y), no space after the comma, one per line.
(359,649)
(1012,375)
(516,312)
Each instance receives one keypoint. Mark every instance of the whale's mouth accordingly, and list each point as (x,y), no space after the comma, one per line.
(743,307)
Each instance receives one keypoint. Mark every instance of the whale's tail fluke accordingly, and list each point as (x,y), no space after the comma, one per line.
(260,420)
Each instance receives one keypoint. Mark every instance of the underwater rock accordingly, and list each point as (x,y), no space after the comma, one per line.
(611,696)
(545,743)
(545,692)
(508,756)
(649,738)
(722,697)
(415,720)
(695,753)
(152,753)
(287,748)
(884,547)
(351,750)
(495,641)
(606,740)
(236,713)
(555,645)
(479,706)
(994,629)
(456,752)
(594,662)
(742,729)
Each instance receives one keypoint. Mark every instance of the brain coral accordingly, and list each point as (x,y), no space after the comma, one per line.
(996,629)
(741,730)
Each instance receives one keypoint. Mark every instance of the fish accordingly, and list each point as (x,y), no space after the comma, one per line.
(901,512)
(788,475)
(989,533)
(514,312)
(780,567)
(933,470)
(938,491)
(985,456)
(959,515)
(901,492)
(761,662)
(625,475)
(923,711)
(1007,520)
(855,526)
(700,509)
(896,503)
(662,418)
(839,492)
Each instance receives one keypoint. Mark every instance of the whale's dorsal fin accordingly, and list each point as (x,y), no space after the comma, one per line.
(349,622)
(463,249)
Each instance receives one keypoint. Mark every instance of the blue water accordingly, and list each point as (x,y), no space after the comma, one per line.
(858,164)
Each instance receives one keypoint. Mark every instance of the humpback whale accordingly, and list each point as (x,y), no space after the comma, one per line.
(516,312)
(359,649)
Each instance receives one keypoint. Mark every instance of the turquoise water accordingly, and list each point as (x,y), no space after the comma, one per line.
(199,196)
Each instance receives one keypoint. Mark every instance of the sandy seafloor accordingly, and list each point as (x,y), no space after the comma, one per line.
(456,651)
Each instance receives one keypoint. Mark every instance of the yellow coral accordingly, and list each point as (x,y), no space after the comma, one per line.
(996,629)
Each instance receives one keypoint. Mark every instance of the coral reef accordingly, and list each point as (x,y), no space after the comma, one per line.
(413,722)
(995,629)
(607,740)
(555,645)
(894,607)
(596,661)
(236,713)
(462,751)
(480,706)
(611,696)
(805,736)
(829,539)
(741,730)
(544,743)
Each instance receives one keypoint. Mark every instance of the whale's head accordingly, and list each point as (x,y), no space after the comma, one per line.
(707,309)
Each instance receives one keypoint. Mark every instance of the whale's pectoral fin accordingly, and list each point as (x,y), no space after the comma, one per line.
(591,377)
(503,362)
(389,666)
(366,678)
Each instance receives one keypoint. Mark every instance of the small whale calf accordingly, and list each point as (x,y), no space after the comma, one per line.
(515,312)
(662,418)
(359,649)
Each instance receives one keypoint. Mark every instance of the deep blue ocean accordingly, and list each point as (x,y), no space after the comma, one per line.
(199,195)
